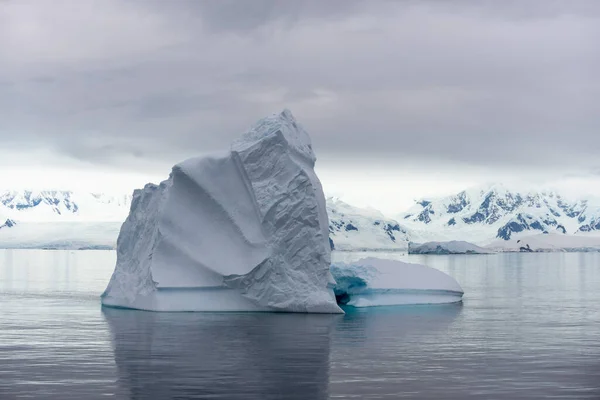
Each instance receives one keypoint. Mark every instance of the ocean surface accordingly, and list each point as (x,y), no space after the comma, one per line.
(528,328)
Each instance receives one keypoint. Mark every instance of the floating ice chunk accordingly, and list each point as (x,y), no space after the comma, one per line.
(451,247)
(381,282)
(242,231)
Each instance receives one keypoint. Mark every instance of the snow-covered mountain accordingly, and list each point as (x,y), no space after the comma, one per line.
(486,214)
(352,228)
(491,216)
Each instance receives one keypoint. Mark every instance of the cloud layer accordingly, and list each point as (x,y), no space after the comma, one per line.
(506,85)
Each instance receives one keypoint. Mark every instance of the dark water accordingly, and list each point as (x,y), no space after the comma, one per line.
(529,328)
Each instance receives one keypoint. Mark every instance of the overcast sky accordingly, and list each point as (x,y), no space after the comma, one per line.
(402,99)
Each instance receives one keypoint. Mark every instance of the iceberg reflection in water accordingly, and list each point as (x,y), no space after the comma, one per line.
(232,356)
(258,355)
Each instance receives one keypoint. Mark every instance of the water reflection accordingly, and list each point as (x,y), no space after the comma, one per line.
(263,356)
(374,325)
(232,356)
(378,352)
(528,329)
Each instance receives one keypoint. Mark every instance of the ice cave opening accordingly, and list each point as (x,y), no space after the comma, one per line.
(346,286)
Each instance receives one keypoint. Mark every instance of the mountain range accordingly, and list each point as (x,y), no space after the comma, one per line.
(492,216)
(495,212)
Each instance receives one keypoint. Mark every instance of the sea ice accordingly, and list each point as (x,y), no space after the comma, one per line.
(381,282)
(242,231)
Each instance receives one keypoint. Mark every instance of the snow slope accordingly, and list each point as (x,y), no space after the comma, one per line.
(353,229)
(381,282)
(452,247)
(242,231)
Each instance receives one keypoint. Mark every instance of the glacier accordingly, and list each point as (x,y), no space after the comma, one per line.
(246,230)
(373,282)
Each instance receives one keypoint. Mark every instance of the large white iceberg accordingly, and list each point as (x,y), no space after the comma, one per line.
(381,282)
(242,231)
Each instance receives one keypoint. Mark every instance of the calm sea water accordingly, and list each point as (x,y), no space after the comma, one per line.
(529,328)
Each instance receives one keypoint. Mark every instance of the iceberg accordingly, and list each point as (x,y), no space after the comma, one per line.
(381,282)
(246,230)
(451,247)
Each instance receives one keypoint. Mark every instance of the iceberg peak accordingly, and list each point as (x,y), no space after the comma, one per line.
(283,124)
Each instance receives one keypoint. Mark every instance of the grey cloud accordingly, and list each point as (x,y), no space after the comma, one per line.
(491,84)
(245,16)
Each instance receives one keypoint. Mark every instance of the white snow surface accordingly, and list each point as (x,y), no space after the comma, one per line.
(383,282)
(451,247)
(242,231)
